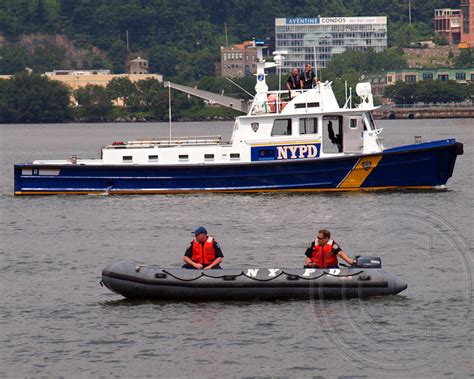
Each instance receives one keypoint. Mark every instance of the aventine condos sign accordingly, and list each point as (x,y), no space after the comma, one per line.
(330,20)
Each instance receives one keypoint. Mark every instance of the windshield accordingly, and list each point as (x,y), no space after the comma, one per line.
(369,121)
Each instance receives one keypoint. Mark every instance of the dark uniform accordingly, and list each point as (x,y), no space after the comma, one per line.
(293,82)
(308,79)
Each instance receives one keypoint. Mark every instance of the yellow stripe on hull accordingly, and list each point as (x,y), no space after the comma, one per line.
(166,192)
(360,172)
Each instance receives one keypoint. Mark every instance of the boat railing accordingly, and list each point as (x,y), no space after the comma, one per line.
(276,101)
(167,142)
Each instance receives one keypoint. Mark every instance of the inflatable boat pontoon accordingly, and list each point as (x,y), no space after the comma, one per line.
(154,283)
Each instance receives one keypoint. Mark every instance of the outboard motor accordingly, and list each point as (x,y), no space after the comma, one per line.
(368,262)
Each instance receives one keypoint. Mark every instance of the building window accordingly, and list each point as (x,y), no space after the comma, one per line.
(465,16)
(443,77)
(427,76)
(389,79)
(308,126)
(410,78)
(460,76)
(282,127)
(472,77)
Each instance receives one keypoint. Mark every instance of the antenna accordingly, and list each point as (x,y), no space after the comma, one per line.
(345,91)
(315,62)
(409,12)
(169,108)
(279,58)
(225,31)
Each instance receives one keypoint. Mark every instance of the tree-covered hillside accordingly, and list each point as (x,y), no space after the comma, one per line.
(182,38)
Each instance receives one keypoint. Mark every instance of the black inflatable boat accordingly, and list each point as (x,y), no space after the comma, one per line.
(364,279)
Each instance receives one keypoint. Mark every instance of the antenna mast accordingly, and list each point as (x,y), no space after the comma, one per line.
(169,108)
(225,31)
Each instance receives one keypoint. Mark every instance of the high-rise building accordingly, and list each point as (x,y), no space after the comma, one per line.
(318,39)
(467,24)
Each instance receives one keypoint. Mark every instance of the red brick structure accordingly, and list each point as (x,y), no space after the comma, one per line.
(238,60)
(467,24)
(448,24)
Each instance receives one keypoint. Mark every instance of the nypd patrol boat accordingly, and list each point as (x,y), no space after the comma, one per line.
(363,280)
(298,141)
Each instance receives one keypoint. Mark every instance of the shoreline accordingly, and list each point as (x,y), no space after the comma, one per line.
(213,119)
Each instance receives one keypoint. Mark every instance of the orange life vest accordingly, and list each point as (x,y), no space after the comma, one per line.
(323,255)
(204,254)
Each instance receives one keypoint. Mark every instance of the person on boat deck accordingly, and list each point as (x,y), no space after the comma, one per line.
(293,81)
(203,253)
(323,252)
(307,78)
(336,139)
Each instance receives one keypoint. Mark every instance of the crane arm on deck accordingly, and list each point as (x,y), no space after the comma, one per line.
(226,101)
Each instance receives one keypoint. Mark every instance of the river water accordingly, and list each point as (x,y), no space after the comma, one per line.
(57,321)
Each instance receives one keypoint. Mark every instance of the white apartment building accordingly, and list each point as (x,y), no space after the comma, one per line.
(318,39)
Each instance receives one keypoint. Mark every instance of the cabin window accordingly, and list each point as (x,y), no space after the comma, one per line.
(353,124)
(282,127)
(307,105)
(183,157)
(127,159)
(308,125)
(235,156)
(369,122)
(208,157)
(153,158)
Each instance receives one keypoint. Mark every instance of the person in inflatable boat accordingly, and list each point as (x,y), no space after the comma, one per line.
(203,252)
(323,252)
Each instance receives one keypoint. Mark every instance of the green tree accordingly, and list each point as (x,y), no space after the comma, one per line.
(97,62)
(47,58)
(465,58)
(117,56)
(153,98)
(352,77)
(400,93)
(12,59)
(33,98)
(427,92)
(123,89)
(94,103)
(440,40)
